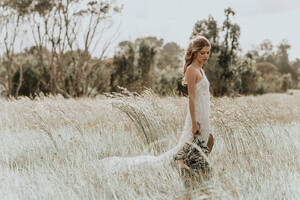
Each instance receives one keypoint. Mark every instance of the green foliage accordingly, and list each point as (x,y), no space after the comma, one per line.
(147,62)
(245,78)
(125,72)
(266,68)
(286,82)
(296,66)
(43,6)
(63,49)
(265,52)
(166,81)
(230,74)
(283,59)
(208,28)
(271,79)
(225,50)
(21,6)
(29,84)
(133,64)
(213,71)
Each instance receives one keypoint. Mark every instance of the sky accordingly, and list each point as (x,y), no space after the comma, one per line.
(173,21)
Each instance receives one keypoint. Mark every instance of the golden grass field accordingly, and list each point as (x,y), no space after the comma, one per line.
(50,147)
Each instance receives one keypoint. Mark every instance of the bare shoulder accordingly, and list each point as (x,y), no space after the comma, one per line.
(190,68)
(190,72)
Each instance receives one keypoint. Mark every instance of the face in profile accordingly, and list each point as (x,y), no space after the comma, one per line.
(202,56)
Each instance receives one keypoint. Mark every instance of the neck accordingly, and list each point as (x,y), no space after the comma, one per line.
(197,63)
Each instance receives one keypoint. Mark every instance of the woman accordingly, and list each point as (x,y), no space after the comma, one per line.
(196,55)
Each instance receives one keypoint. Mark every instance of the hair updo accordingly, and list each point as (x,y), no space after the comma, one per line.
(194,46)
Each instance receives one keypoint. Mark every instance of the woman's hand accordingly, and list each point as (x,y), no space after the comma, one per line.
(196,129)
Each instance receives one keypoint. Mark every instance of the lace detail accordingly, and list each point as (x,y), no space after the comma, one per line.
(202,113)
(202,110)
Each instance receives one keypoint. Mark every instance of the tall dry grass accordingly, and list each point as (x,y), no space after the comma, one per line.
(50,147)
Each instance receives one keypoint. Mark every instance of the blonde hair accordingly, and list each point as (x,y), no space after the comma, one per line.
(194,46)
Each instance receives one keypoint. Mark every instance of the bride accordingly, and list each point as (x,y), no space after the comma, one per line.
(197,125)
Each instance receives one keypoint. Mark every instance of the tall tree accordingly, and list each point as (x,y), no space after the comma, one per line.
(208,28)
(170,56)
(125,72)
(68,28)
(223,53)
(145,63)
(11,28)
(133,65)
(283,59)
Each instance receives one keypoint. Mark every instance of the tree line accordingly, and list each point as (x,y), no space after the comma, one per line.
(60,59)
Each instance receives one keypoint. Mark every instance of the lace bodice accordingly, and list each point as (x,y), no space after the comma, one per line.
(202,88)
(202,108)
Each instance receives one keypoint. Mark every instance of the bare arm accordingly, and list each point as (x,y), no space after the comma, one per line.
(191,79)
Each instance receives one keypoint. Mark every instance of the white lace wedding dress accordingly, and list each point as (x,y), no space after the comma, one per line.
(202,112)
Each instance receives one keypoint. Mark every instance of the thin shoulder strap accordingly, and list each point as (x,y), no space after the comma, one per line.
(203,74)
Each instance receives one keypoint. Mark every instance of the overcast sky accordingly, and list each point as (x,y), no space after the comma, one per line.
(173,20)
